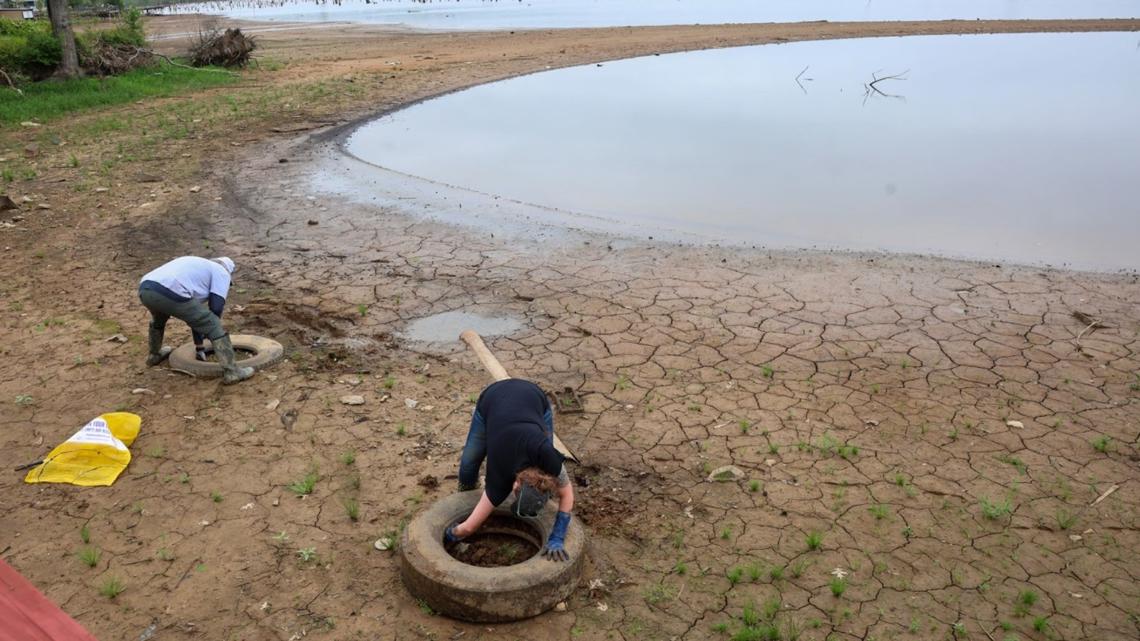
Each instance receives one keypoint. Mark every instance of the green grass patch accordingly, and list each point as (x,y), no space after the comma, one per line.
(46,101)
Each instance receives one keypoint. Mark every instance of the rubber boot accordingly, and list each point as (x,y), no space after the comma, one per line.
(463,487)
(158,351)
(224,350)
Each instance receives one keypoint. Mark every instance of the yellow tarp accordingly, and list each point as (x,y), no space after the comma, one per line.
(95,455)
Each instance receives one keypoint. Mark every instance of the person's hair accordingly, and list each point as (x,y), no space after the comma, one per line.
(538,479)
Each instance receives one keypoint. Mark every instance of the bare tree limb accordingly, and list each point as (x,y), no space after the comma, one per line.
(12,85)
(798,79)
(179,64)
(872,89)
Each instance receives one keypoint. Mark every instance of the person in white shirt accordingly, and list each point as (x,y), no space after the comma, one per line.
(193,290)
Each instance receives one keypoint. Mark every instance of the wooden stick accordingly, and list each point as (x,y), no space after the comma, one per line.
(1104,496)
(499,373)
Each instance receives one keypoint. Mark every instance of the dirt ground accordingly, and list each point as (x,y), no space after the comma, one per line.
(933,431)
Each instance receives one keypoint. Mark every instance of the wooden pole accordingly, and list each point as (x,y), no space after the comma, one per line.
(499,373)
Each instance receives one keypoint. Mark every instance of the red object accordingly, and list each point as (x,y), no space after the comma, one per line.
(28,615)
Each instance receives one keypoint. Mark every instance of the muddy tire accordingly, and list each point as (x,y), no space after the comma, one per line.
(265,352)
(485,595)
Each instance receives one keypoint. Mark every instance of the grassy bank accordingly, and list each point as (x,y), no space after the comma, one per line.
(46,101)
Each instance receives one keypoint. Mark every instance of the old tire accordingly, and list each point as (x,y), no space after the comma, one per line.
(266,351)
(485,595)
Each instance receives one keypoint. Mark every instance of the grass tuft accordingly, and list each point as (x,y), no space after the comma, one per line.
(90,556)
(111,587)
(813,540)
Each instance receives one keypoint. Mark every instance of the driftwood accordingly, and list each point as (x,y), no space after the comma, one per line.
(872,88)
(1090,324)
(230,48)
(8,80)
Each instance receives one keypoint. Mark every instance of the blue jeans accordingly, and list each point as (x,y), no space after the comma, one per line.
(475,450)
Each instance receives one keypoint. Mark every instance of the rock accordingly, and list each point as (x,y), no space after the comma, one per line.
(288,418)
(1075,537)
(313,222)
(147,178)
(101,190)
(726,473)
(769,462)
(7,203)
(602,607)
(871,422)
(29,123)
(272,405)
(352,399)
(1018,424)
(142,390)
(560,607)
(411,403)
(116,338)
(195,189)
(383,543)
(351,381)
(43,206)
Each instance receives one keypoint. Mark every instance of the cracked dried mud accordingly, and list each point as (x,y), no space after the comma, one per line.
(923,437)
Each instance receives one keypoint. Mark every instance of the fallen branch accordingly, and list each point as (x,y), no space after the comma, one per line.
(1106,494)
(798,79)
(1090,324)
(872,88)
(11,85)
(179,64)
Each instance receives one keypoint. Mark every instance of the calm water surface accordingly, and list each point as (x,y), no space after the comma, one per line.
(506,14)
(1011,147)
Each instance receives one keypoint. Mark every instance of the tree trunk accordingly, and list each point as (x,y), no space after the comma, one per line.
(61,28)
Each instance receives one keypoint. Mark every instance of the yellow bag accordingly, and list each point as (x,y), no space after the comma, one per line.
(95,455)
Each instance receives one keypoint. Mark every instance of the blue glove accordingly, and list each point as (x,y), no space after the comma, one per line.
(449,536)
(554,549)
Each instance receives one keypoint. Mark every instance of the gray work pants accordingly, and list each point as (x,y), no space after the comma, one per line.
(194,313)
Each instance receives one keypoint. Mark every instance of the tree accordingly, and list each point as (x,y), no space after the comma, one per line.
(61,28)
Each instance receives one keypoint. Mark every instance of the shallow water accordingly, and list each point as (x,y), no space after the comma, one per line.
(484,14)
(445,328)
(1010,147)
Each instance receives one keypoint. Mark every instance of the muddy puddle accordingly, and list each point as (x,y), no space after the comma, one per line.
(441,331)
(493,14)
(997,147)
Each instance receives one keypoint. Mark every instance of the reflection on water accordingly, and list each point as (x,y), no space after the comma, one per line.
(1019,147)
(522,14)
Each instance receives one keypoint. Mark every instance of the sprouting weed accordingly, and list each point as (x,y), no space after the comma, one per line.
(307,554)
(112,587)
(90,556)
(352,509)
(814,540)
(994,510)
(734,575)
(838,586)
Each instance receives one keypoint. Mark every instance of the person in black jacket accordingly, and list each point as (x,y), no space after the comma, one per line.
(513,429)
